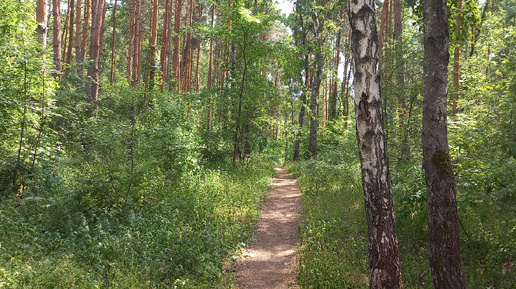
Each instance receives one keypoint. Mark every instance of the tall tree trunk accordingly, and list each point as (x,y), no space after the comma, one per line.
(345,82)
(384,266)
(333,100)
(198,58)
(112,74)
(92,86)
(189,50)
(210,73)
(78,38)
(312,140)
(64,36)
(56,15)
(130,47)
(177,30)
(70,38)
(137,44)
(85,28)
(443,229)
(153,41)
(165,44)
(41,18)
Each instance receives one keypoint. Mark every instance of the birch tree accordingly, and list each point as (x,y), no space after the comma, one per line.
(384,266)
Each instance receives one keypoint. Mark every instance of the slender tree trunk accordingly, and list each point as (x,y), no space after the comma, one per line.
(137,44)
(236,143)
(64,36)
(345,83)
(384,266)
(333,100)
(92,86)
(70,38)
(153,42)
(165,44)
(41,18)
(177,30)
(210,73)
(130,47)
(188,51)
(56,15)
(85,28)
(112,74)
(443,228)
(198,58)
(78,38)
(312,141)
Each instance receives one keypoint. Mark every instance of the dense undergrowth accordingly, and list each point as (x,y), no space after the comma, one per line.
(129,199)
(333,249)
(179,238)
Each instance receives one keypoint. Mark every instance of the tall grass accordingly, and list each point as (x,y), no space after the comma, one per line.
(170,235)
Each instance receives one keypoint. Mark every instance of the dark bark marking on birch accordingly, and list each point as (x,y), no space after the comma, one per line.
(364,106)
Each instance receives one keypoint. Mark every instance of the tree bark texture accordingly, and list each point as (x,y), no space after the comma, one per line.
(41,18)
(384,266)
(443,229)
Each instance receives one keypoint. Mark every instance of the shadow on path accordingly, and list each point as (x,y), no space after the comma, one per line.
(270,262)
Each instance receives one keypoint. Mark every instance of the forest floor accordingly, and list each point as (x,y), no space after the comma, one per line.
(270,261)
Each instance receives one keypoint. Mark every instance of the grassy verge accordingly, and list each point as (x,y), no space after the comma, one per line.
(174,235)
(333,252)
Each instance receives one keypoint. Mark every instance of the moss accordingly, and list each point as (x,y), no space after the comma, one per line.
(441,161)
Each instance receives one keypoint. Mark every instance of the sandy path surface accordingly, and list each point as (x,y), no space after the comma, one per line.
(270,261)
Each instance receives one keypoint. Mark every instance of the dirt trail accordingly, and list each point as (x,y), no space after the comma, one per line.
(270,261)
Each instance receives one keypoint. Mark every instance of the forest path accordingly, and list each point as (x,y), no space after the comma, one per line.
(270,261)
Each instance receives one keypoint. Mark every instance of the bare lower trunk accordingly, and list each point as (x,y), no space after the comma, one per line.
(443,229)
(384,266)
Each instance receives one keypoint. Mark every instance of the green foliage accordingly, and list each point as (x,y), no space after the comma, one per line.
(131,204)
(26,92)
(333,249)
